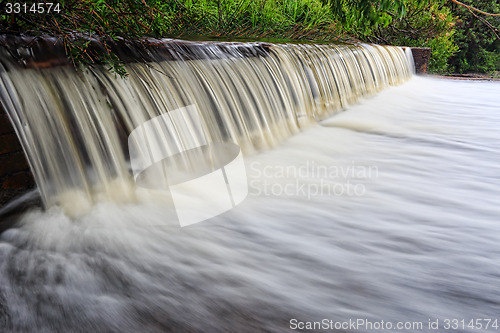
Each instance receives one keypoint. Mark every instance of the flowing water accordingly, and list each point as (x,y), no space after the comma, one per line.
(73,125)
(385,212)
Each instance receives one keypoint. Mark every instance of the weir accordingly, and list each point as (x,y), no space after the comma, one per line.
(387,213)
(73,125)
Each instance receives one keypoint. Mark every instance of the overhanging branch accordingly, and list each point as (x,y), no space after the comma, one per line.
(473,8)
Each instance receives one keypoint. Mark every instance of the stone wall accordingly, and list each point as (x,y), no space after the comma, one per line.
(421,56)
(15,175)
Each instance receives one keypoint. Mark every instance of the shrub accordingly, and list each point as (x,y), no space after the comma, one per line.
(479,44)
(134,19)
(424,24)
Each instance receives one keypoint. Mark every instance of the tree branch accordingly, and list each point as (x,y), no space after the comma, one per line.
(472,8)
(488,24)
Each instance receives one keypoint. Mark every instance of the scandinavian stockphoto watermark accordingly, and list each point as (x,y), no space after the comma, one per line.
(310,179)
(172,152)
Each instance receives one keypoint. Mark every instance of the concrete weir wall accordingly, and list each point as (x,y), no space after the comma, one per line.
(421,57)
(15,175)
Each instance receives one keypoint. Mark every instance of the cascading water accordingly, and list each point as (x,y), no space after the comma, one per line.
(382,218)
(66,120)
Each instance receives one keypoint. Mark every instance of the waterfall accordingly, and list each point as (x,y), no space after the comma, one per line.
(73,125)
(384,216)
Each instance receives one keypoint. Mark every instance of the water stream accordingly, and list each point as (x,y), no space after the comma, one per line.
(74,125)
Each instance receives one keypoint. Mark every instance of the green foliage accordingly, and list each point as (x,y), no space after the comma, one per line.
(78,20)
(443,48)
(160,18)
(460,40)
(250,18)
(134,19)
(424,24)
(478,42)
(361,17)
